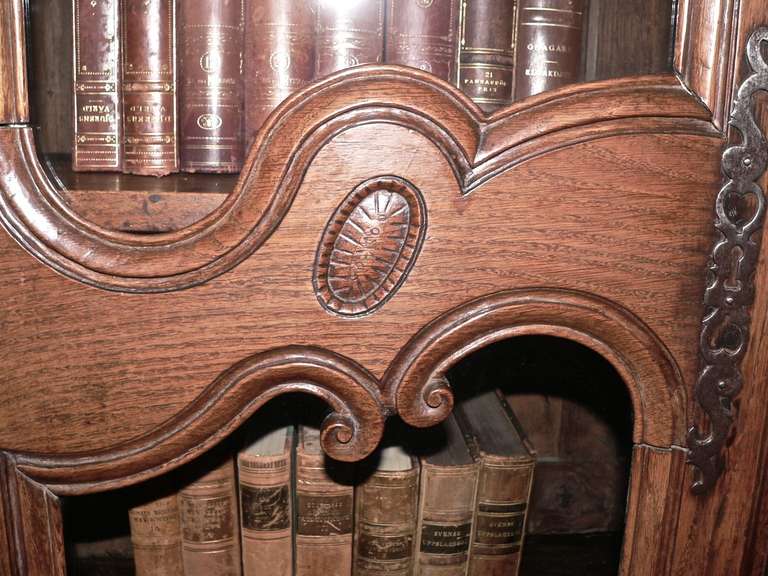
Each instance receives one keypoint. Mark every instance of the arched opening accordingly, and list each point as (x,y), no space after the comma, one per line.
(576,412)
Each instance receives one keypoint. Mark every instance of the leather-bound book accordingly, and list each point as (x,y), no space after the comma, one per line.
(385,516)
(487,52)
(446,505)
(210,83)
(156,537)
(549,43)
(506,477)
(149,87)
(424,34)
(279,55)
(348,34)
(264,470)
(209,524)
(98,138)
(324,510)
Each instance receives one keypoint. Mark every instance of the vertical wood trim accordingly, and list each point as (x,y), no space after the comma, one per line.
(8,563)
(33,525)
(655,485)
(706,52)
(14,95)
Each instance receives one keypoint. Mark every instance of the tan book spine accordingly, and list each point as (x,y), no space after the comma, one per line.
(385,523)
(209,524)
(503,493)
(549,43)
(279,55)
(156,537)
(324,510)
(349,34)
(98,128)
(149,87)
(487,52)
(266,512)
(446,510)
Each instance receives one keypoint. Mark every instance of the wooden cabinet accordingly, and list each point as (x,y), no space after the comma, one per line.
(585,213)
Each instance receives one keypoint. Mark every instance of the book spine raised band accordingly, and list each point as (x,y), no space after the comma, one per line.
(149,87)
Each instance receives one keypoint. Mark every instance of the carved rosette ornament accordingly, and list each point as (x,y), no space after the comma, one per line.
(740,207)
(369,246)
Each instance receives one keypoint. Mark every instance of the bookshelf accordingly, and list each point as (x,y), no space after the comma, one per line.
(149,320)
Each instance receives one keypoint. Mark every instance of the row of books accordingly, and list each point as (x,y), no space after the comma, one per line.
(183,85)
(456,507)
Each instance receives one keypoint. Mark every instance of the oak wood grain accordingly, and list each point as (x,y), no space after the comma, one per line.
(584,213)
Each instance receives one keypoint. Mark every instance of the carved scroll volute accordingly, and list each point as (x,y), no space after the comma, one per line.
(740,208)
(350,432)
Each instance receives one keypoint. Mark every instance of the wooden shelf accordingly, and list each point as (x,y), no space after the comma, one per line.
(140,204)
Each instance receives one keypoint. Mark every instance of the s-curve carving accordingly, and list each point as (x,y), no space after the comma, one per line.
(369,246)
(350,432)
(476,148)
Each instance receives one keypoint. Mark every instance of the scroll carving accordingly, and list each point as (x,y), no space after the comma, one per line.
(351,431)
(740,208)
(415,383)
(369,246)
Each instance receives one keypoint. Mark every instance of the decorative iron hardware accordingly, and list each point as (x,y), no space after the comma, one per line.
(739,207)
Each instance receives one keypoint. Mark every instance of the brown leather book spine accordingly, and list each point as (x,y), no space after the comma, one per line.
(156,537)
(349,34)
(446,511)
(324,512)
(549,42)
(149,87)
(502,499)
(279,56)
(97,144)
(266,512)
(209,524)
(385,523)
(424,34)
(487,52)
(211,85)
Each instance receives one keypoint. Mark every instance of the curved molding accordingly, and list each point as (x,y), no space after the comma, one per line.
(350,432)
(740,210)
(477,148)
(416,386)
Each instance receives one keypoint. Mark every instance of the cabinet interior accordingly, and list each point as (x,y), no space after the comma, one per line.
(574,408)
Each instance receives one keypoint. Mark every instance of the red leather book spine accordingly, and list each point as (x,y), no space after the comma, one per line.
(149,87)
(349,34)
(487,52)
(424,34)
(97,142)
(279,56)
(549,41)
(211,85)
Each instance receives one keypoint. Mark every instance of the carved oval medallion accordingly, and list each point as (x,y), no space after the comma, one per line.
(369,246)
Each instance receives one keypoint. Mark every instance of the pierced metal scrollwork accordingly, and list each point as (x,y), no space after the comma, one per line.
(740,208)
